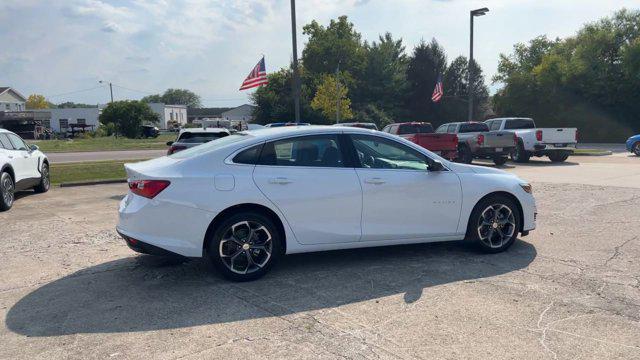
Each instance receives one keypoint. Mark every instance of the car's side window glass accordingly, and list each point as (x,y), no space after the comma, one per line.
(379,153)
(314,151)
(249,156)
(441,129)
(387,129)
(18,143)
(495,125)
(451,129)
(4,142)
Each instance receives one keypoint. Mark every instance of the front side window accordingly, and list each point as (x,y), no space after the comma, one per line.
(312,151)
(451,129)
(17,142)
(379,153)
(442,129)
(5,143)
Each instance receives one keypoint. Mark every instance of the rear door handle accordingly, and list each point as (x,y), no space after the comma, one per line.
(375,181)
(280,181)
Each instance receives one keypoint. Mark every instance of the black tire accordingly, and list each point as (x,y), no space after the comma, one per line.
(45,180)
(519,154)
(636,148)
(257,248)
(558,156)
(7,191)
(485,229)
(464,154)
(499,160)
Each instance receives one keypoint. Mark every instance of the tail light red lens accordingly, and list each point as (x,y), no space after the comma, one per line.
(455,139)
(175,148)
(148,188)
(515,139)
(480,139)
(539,135)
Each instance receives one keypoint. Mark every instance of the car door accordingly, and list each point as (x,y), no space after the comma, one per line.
(308,179)
(25,164)
(402,199)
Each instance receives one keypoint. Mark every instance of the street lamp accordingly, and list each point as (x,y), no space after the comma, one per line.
(472,14)
(296,76)
(110,88)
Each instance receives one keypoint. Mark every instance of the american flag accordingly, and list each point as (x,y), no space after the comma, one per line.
(257,76)
(437,92)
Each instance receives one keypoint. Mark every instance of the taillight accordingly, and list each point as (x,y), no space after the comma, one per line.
(148,188)
(455,140)
(480,139)
(539,135)
(175,148)
(515,139)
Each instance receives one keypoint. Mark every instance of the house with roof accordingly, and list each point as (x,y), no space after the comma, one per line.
(11,100)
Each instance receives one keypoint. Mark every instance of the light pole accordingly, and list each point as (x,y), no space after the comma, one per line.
(110,88)
(296,76)
(338,92)
(472,14)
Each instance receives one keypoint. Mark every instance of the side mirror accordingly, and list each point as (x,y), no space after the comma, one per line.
(169,143)
(33,147)
(435,165)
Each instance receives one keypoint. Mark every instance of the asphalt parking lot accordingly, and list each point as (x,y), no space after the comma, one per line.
(71,288)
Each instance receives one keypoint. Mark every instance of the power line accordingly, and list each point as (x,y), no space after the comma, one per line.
(134,90)
(77,91)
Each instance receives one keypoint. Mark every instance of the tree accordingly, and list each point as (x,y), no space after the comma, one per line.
(128,116)
(175,97)
(70,105)
(456,91)
(371,114)
(427,62)
(326,99)
(36,101)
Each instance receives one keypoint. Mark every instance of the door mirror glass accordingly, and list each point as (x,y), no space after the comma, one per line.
(169,143)
(34,147)
(435,165)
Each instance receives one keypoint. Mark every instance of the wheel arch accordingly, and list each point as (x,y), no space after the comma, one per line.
(505,194)
(244,208)
(10,170)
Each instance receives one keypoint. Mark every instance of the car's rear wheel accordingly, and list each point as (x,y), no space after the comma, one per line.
(494,224)
(519,154)
(244,246)
(45,180)
(558,157)
(465,155)
(7,191)
(499,160)
(636,148)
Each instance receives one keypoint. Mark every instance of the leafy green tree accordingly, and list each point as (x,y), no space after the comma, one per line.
(456,91)
(426,63)
(36,101)
(175,97)
(326,99)
(71,105)
(372,114)
(127,116)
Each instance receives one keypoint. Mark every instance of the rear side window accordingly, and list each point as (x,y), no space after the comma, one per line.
(199,138)
(312,151)
(415,129)
(474,127)
(4,142)
(519,124)
(249,156)
(495,125)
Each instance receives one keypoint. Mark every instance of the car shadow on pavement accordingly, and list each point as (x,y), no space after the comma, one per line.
(143,293)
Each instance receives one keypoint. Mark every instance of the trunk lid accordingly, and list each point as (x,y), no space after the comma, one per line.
(558,135)
(434,142)
(498,139)
(150,169)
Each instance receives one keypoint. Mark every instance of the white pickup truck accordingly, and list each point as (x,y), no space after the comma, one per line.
(556,143)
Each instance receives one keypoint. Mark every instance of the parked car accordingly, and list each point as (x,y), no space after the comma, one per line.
(556,143)
(633,144)
(421,133)
(278,124)
(22,167)
(370,126)
(188,138)
(476,141)
(150,131)
(249,198)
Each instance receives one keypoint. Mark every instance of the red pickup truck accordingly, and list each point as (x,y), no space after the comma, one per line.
(421,133)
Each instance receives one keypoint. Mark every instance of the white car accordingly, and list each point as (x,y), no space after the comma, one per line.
(556,143)
(251,197)
(22,167)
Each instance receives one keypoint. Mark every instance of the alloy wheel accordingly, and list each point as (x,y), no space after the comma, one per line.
(246,247)
(46,181)
(636,149)
(496,225)
(7,190)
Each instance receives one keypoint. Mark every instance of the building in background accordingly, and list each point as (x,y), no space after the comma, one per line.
(28,124)
(195,115)
(11,100)
(62,119)
(240,113)
(170,116)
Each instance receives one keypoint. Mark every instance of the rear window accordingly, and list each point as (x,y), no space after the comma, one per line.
(519,124)
(415,129)
(475,127)
(199,138)
(210,146)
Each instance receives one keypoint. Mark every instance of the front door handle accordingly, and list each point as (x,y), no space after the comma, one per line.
(280,181)
(375,181)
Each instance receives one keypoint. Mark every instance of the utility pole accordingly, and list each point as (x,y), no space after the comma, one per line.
(338,93)
(472,14)
(296,75)
(110,88)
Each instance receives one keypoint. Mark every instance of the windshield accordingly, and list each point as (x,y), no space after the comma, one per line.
(198,138)
(519,124)
(210,146)
(475,127)
(415,129)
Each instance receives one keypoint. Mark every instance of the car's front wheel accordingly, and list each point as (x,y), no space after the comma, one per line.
(636,148)
(244,246)
(45,180)
(494,224)
(558,157)
(7,191)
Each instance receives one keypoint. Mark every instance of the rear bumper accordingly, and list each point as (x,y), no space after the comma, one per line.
(492,151)
(550,148)
(143,247)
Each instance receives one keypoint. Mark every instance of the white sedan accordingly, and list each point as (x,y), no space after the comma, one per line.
(247,199)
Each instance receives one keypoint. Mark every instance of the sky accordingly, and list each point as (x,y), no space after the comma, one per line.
(63,48)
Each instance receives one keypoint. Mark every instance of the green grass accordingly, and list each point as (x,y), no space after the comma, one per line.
(88,171)
(108,143)
(592,152)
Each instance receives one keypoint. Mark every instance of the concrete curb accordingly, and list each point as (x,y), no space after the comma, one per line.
(97,182)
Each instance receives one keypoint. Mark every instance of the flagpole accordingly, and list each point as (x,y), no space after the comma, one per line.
(296,77)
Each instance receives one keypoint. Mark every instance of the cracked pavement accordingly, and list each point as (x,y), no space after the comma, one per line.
(71,289)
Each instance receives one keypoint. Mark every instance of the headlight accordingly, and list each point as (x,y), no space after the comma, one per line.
(527,188)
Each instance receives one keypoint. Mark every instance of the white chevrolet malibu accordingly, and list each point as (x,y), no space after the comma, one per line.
(247,199)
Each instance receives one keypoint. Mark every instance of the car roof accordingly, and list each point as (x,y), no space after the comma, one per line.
(206,130)
(268,133)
